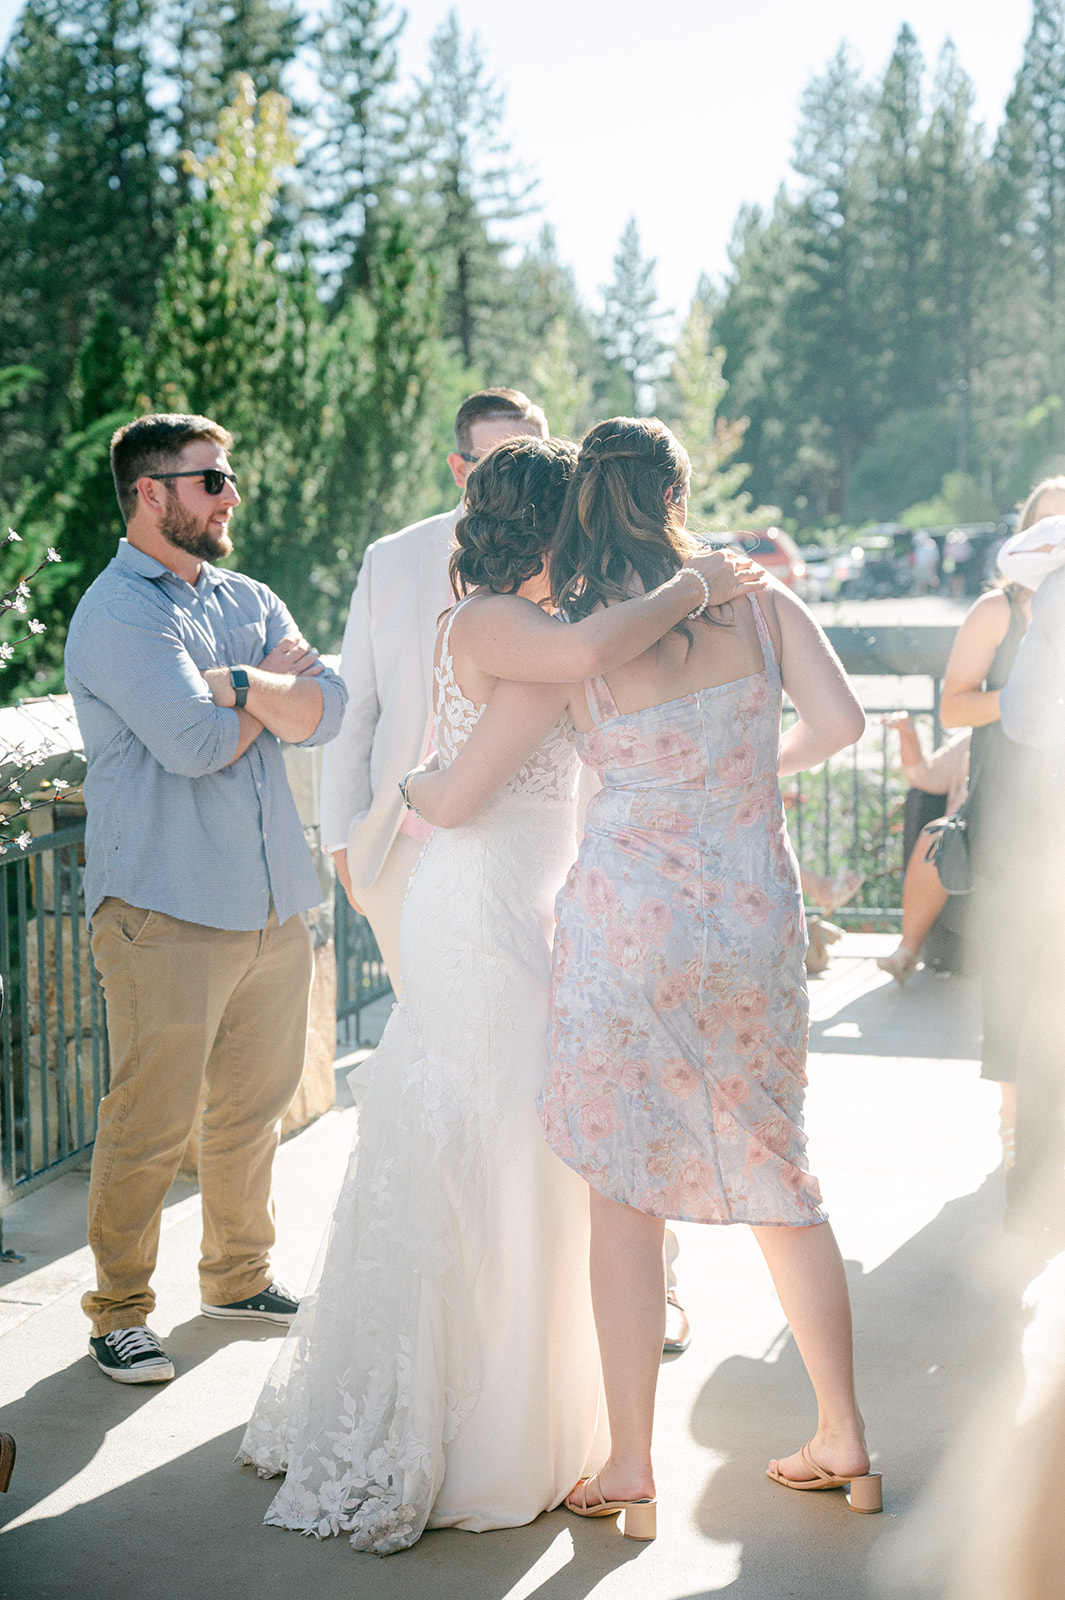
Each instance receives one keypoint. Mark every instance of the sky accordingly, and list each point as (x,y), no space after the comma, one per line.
(681,113)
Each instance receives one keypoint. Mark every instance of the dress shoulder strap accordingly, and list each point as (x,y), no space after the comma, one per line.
(445,672)
(601,702)
(769,655)
(445,643)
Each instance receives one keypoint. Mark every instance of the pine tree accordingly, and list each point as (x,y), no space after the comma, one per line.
(697,388)
(390,356)
(1017,398)
(555,352)
(257,39)
(81,204)
(239,335)
(361,130)
(960,251)
(1030,157)
(564,392)
(108,377)
(210,46)
(899,230)
(747,326)
(466,189)
(932,253)
(828,346)
(632,321)
(70,505)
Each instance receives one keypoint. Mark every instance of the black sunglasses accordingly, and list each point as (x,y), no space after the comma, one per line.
(214,479)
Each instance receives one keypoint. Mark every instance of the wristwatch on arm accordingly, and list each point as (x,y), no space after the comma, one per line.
(238,682)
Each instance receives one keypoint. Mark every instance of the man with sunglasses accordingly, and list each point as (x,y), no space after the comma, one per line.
(185,679)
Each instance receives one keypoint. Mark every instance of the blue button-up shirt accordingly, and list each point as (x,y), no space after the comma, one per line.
(172,826)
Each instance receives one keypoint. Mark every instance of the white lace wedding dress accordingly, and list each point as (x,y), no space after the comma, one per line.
(443,1371)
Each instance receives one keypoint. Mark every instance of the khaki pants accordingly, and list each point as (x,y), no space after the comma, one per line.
(190,1007)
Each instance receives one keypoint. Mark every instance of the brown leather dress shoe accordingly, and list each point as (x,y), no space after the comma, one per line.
(7,1459)
(678,1330)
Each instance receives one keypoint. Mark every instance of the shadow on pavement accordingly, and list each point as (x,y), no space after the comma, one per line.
(933,1015)
(193,1528)
(935,1325)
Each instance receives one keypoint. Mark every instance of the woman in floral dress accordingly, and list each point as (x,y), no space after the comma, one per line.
(679,1008)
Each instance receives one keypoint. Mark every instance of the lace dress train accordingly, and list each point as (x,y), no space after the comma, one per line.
(443,1371)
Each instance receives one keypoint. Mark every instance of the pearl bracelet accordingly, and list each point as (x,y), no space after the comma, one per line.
(706,591)
(403,782)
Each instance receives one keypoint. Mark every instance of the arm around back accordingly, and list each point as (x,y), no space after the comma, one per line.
(515,722)
(514,638)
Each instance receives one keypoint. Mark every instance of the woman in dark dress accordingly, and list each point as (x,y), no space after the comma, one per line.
(979,665)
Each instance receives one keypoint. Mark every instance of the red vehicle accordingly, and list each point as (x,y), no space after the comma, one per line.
(773,549)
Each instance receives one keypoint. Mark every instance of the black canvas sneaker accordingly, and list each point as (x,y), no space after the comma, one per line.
(132,1355)
(276,1303)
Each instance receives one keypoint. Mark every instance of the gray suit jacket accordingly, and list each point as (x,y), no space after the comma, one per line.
(387,664)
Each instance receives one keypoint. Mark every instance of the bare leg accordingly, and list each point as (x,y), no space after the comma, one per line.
(629,1300)
(923,898)
(808,1275)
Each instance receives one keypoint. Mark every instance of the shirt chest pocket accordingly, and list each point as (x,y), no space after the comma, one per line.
(241,646)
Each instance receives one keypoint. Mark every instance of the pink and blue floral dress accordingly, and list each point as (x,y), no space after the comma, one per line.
(679,1012)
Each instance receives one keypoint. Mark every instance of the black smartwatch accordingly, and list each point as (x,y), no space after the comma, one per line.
(238,682)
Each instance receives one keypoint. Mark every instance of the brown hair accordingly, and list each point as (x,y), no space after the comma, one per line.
(153,444)
(1028,509)
(495,403)
(512,505)
(616,521)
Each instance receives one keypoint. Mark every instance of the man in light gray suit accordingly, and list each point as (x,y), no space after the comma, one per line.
(387,665)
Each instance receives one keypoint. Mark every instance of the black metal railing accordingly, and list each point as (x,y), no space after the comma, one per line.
(849,812)
(53,1034)
(361,976)
(53,1041)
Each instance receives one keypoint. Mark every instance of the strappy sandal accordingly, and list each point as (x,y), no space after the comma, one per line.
(866,1493)
(639,1517)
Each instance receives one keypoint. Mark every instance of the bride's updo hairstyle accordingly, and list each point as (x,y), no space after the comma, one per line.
(514,497)
(616,521)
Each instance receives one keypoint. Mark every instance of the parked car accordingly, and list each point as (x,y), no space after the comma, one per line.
(879,566)
(773,549)
(822,573)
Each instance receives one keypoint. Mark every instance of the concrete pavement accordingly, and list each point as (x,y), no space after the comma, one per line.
(130,1493)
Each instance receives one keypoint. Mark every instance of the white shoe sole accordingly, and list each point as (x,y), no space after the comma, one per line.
(282,1317)
(162,1372)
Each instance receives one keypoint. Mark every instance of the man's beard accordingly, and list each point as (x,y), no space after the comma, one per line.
(180,528)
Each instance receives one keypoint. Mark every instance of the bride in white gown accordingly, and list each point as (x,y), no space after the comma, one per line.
(443,1369)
